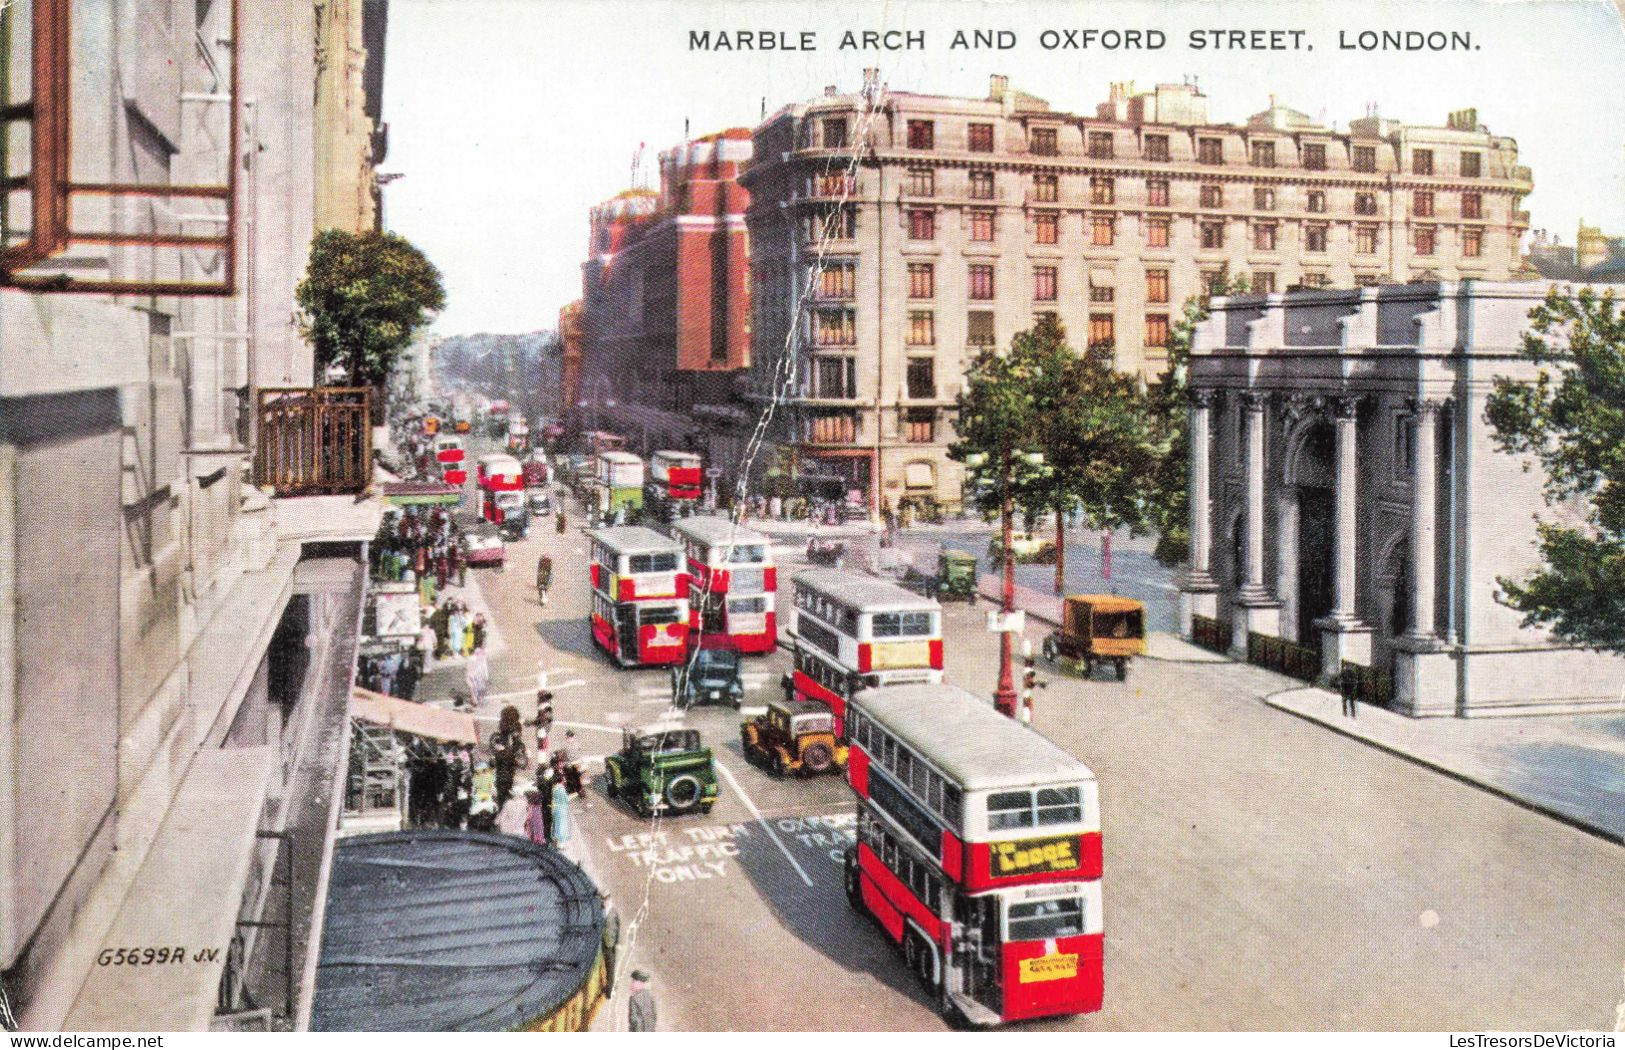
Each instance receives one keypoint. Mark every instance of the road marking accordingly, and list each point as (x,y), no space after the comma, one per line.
(726,772)
(572,682)
(655,690)
(590,725)
(656,700)
(752,712)
(511,696)
(753,680)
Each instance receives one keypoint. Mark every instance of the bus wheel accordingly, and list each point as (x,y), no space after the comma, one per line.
(854,883)
(1122,670)
(918,958)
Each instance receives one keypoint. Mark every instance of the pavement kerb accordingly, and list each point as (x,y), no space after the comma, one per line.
(1437,767)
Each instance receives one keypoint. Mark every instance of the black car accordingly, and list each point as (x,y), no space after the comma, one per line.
(712,676)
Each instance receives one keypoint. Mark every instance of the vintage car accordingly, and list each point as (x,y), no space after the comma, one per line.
(483,545)
(713,676)
(662,768)
(793,736)
(539,502)
(1098,628)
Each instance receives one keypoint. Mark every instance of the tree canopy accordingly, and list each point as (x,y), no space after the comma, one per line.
(363,297)
(1571,419)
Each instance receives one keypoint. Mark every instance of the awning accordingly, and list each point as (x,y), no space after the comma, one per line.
(201,856)
(432,723)
(919,476)
(420,493)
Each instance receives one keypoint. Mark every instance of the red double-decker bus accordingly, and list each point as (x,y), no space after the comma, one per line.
(675,479)
(639,596)
(448,452)
(854,632)
(978,853)
(733,585)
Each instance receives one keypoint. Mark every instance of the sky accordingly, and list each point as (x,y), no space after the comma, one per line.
(509,119)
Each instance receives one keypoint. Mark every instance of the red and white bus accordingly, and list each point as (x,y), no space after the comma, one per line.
(978,853)
(500,483)
(448,452)
(855,632)
(639,596)
(675,482)
(732,585)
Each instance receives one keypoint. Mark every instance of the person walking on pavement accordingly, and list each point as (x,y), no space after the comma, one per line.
(478,630)
(454,628)
(507,751)
(559,522)
(459,563)
(543,723)
(561,815)
(612,941)
(535,816)
(477,676)
(428,645)
(640,1010)
(1346,687)
(544,577)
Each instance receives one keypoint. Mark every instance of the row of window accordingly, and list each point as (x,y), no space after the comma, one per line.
(920,624)
(843,617)
(637,563)
(922,877)
(914,773)
(1104,145)
(645,612)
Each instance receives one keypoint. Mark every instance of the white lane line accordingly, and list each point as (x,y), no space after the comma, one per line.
(656,700)
(590,725)
(655,690)
(752,712)
(763,822)
(754,679)
(511,696)
(568,685)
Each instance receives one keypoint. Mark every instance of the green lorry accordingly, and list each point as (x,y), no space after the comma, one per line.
(662,769)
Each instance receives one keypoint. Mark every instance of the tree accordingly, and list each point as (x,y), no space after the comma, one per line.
(1167,492)
(364,296)
(1571,419)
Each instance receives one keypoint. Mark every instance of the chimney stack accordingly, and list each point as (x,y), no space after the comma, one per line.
(829,90)
(871,82)
(998,85)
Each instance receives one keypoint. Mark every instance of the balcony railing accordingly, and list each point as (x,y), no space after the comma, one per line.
(314,441)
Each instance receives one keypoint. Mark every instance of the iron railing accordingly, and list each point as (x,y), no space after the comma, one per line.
(314,441)
(1289,658)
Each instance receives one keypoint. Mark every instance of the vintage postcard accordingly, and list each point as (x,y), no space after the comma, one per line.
(631,516)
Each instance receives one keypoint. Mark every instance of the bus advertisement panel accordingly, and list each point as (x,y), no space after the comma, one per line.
(978,852)
(733,585)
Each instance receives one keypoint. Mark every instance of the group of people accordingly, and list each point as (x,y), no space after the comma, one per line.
(426,549)
(557,781)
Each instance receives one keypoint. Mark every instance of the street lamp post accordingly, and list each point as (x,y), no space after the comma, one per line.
(1005,697)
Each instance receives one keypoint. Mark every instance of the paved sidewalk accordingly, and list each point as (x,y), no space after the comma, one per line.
(1569,767)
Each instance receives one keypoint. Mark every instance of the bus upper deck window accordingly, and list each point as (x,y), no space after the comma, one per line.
(1009,809)
(1059,805)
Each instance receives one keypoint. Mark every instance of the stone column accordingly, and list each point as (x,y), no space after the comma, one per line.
(1256,611)
(1424,499)
(1343,636)
(1199,592)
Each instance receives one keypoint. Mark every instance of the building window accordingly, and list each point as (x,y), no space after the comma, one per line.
(1316,280)
(981,138)
(1426,240)
(835,133)
(1044,283)
(1102,293)
(1314,238)
(981,185)
(920,425)
(1046,229)
(834,223)
(922,224)
(833,428)
(1102,332)
(1102,190)
(1264,236)
(922,182)
(922,134)
(1156,193)
(1156,331)
(922,328)
(1422,204)
(1472,206)
(1314,156)
(835,377)
(1212,196)
(1100,145)
(921,378)
(922,280)
(1156,147)
(981,224)
(1213,235)
(1422,161)
(979,328)
(1263,154)
(1317,200)
(1214,282)
(1365,158)
(838,280)
(831,184)
(1365,204)
(1263,282)
(835,327)
(1365,240)
(1472,165)
(1263,199)
(1043,142)
(1156,286)
(981,281)
(1472,243)
(1366,280)
(1046,189)
(1156,233)
(1210,151)
(1102,230)
(1404,445)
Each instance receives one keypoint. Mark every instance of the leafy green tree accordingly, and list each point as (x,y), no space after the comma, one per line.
(1571,419)
(997,417)
(363,298)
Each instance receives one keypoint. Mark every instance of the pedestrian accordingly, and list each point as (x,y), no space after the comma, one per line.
(468,631)
(428,646)
(562,757)
(477,676)
(640,1011)
(543,723)
(1346,686)
(559,522)
(442,567)
(459,562)
(507,752)
(440,623)
(426,590)
(482,811)
(479,630)
(454,628)
(561,815)
(544,577)
(612,941)
(535,816)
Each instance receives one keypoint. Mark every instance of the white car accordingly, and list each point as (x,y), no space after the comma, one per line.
(539,502)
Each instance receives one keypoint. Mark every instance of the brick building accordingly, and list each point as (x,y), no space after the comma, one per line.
(665,314)
(962,219)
